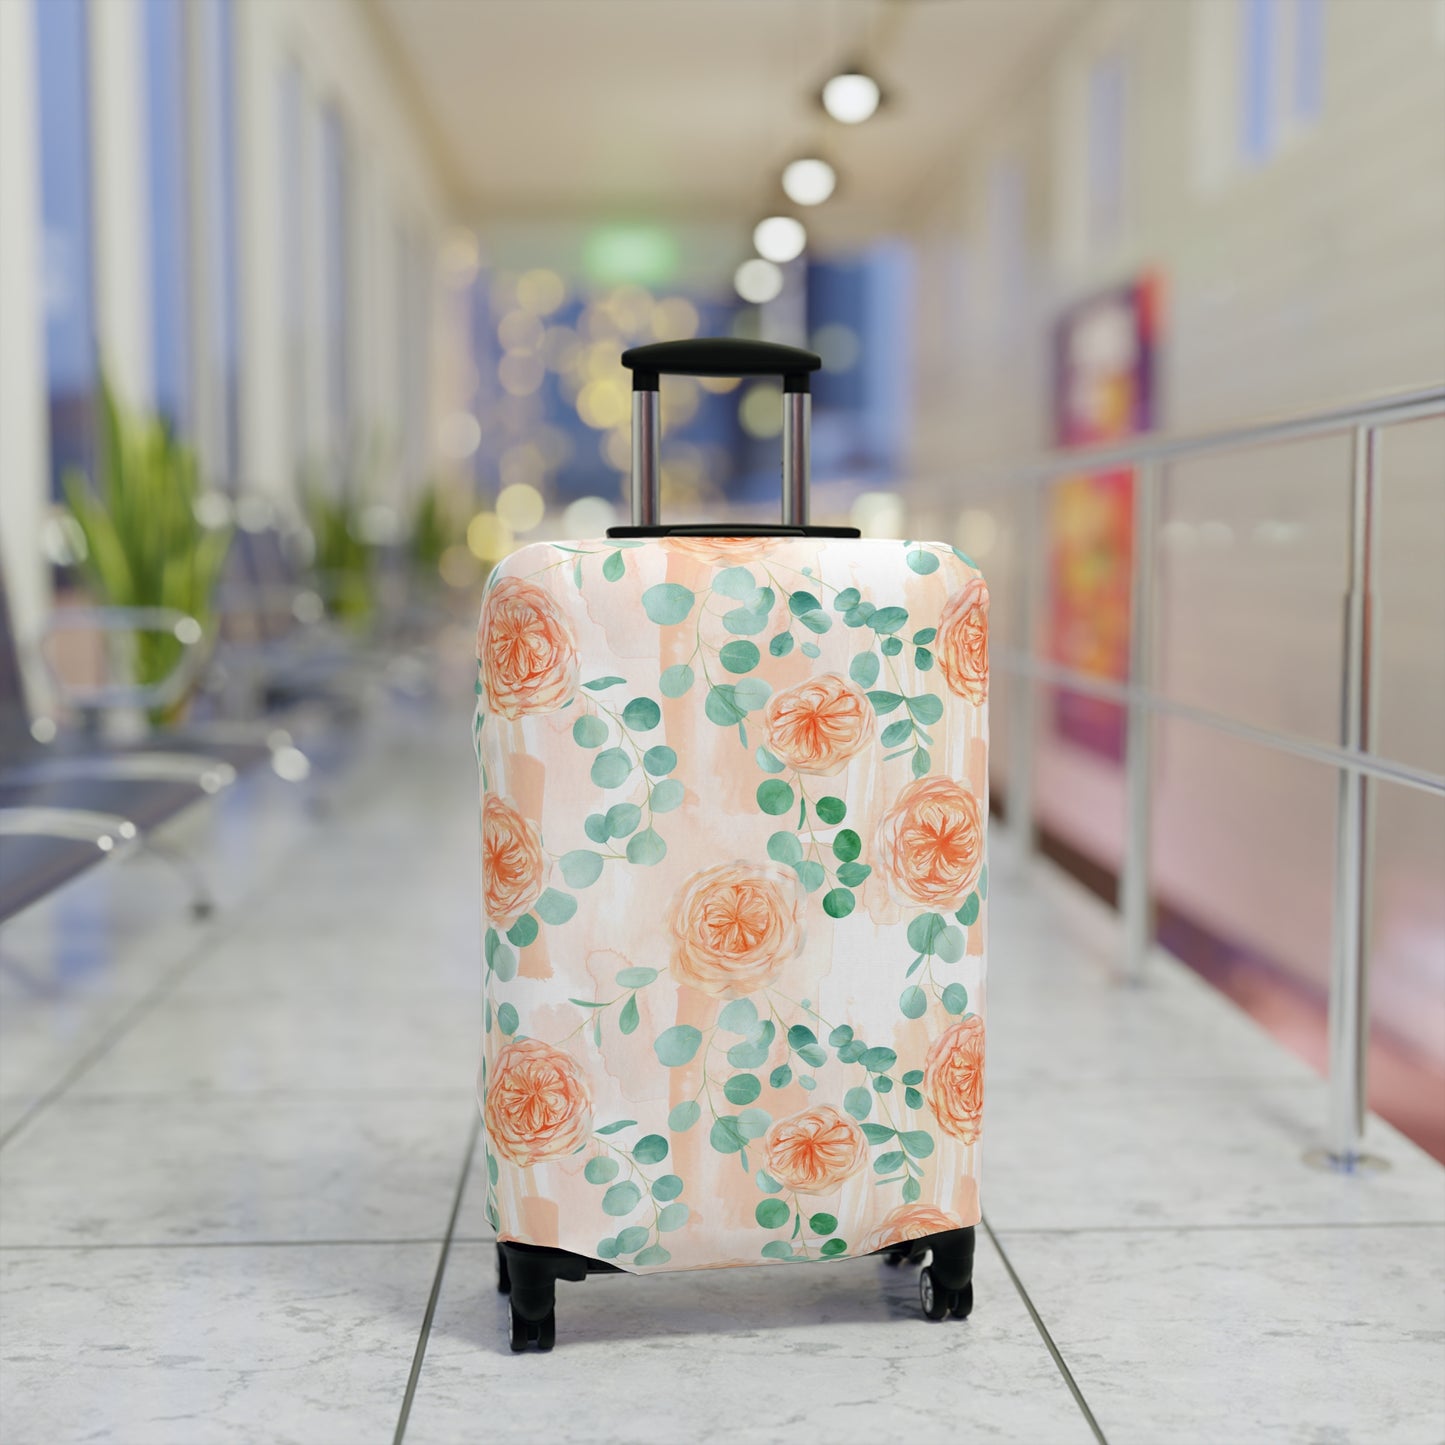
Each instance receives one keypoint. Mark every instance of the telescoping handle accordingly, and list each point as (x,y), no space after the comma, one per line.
(720,356)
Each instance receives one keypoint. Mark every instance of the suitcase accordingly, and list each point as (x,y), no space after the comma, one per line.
(734,794)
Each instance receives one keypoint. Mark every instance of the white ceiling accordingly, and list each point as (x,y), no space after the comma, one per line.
(685,110)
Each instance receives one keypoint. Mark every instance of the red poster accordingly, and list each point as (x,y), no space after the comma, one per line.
(1104,391)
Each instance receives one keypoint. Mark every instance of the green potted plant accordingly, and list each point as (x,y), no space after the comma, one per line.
(146,544)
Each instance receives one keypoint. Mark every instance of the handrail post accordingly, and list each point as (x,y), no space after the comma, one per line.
(1022,687)
(1135,904)
(1349,1008)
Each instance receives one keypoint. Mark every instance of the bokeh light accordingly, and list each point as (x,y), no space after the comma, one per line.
(977,532)
(604,403)
(541,291)
(489,538)
(851,97)
(589,517)
(780,238)
(521,507)
(760,413)
(809,181)
(520,373)
(758,281)
(675,319)
(520,331)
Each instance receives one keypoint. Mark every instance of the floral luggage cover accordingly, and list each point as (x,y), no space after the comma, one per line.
(734,794)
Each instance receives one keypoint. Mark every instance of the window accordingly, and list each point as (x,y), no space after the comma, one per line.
(68,288)
(1106,129)
(335,221)
(293,260)
(220,358)
(170,227)
(1281,85)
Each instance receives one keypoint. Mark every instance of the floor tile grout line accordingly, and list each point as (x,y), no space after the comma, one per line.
(1263,1226)
(1047,1338)
(414,1378)
(178,1244)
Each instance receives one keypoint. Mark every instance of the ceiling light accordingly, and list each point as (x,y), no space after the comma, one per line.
(758,280)
(780,238)
(809,182)
(851,97)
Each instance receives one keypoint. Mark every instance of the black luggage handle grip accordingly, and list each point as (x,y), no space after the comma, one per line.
(720,356)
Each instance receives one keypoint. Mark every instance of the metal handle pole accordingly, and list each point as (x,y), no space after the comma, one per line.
(797,441)
(1349,1010)
(1134,889)
(646,449)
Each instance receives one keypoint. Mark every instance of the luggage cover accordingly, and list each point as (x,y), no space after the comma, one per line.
(734,796)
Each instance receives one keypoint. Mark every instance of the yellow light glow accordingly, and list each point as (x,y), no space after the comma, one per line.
(520,331)
(521,507)
(604,403)
(675,319)
(541,291)
(760,413)
(489,537)
(631,308)
(597,323)
(719,385)
(520,373)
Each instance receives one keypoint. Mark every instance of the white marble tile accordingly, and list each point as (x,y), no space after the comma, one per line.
(1078,1029)
(1092,1155)
(1255,1337)
(290,1346)
(41,1041)
(394,953)
(13,1108)
(172,1169)
(364,1042)
(830,1352)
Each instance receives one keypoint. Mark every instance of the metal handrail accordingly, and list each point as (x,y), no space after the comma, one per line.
(1357,764)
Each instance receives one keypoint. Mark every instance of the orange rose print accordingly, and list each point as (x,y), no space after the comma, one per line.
(527,653)
(961,646)
(735,926)
(930,843)
(908,1221)
(818,725)
(953,1079)
(814,1151)
(513,868)
(538,1105)
(716,549)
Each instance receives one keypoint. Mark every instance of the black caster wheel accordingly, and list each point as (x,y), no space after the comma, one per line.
(895,1257)
(961,1305)
(504,1275)
(546,1332)
(931,1295)
(521,1333)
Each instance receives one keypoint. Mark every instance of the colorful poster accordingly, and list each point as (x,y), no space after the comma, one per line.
(1104,391)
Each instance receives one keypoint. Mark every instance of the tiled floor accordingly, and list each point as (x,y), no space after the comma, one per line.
(238,1190)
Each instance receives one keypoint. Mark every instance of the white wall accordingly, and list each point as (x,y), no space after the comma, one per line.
(1314,277)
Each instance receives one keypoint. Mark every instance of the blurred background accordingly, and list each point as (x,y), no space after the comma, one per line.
(313,308)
